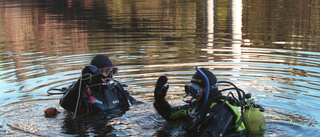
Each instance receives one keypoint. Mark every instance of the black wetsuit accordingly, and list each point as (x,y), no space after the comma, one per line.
(96,99)
(217,118)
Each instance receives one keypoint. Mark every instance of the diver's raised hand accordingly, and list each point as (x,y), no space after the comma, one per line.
(161,88)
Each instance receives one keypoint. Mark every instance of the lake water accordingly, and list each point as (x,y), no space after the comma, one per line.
(270,49)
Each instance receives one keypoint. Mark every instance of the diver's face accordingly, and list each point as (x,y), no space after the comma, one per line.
(197,94)
(108,73)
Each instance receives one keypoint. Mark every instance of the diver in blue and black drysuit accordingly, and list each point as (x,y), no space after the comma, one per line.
(96,91)
(209,112)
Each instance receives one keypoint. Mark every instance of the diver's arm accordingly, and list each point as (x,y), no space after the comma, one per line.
(69,100)
(73,94)
(169,113)
(160,92)
(162,106)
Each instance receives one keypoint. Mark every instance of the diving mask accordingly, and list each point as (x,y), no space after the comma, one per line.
(191,90)
(194,92)
(109,72)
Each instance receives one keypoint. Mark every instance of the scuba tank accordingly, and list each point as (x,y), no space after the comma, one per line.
(254,121)
(253,118)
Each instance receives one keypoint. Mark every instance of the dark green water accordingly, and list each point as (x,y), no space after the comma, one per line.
(268,48)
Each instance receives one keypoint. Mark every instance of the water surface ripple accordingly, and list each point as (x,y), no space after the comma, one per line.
(267,48)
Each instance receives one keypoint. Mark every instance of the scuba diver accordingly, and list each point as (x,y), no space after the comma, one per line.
(208,112)
(96,91)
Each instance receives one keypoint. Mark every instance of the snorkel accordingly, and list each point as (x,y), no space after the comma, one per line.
(206,96)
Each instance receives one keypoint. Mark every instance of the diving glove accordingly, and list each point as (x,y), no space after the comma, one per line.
(89,74)
(161,88)
(90,70)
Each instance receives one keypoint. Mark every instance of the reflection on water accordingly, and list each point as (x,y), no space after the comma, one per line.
(268,48)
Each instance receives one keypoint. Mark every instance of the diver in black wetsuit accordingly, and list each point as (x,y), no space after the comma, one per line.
(96,91)
(209,112)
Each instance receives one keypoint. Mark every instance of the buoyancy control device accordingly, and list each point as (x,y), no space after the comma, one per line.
(251,113)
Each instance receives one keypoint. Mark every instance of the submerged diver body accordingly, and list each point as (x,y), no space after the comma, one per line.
(208,112)
(96,91)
